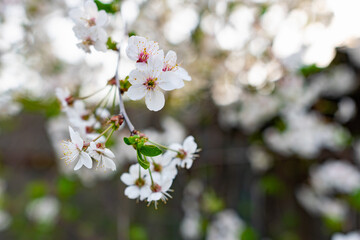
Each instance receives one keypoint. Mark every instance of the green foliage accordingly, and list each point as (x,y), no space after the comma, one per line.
(150,150)
(212,203)
(111,44)
(249,234)
(137,233)
(354,200)
(333,224)
(272,185)
(144,163)
(66,188)
(111,7)
(36,189)
(48,107)
(132,33)
(125,84)
(308,70)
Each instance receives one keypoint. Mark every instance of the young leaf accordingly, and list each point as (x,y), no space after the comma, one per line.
(144,163)
(150,150)
(127,141)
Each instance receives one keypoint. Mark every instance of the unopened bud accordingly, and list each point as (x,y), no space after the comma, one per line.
(116,120)
(112,81)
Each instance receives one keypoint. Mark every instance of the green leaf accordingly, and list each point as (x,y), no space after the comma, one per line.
(249,234)
(127,141)
(111,7)
(131,140)
(111,44)
(150,150)
(144,163)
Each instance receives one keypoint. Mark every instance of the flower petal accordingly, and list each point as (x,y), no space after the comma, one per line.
(154,100)
(127,178)
(136,92)
(76,139)
(132,192)
(137,77)
(170,58)
(109,163)
(86,159)
(102,19)
(182,73)
(170,81)
(190,145)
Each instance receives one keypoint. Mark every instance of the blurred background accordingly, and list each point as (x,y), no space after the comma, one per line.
(273,103)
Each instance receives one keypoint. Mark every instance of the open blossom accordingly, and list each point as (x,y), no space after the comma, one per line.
(158,189)
(186,152)
(64,97)
(173,72)
(148,83)
(163,166)
(92,36)
(102,155)
(140,49)
(137,182)
(74,151)
(89,27)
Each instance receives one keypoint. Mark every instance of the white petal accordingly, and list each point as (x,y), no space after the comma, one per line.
(86,159)
(76,15)
(132,52)
(100,46)
(132,192)
(166,185)
(76,139)
(154,100)
(145,191)
(154,196)
(187,163)
(91,8)
(101,19)
(109,153)
(170,81)
(170,58)
(155,66)
(137,77)
(109,163)
(182,73)
(190,145)
(78,165)
(127,179)
(136,92)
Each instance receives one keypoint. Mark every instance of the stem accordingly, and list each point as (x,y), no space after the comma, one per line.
(121,103)
(162,146)
(105,131)
(111,133)
(90,95)
(152,180)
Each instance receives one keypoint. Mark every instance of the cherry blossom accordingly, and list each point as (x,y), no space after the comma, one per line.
(74,151)
(158,189)
(102,155)
(148,83)
(137,181)
(89,16)
(173,72)
(140,49)
(184,157)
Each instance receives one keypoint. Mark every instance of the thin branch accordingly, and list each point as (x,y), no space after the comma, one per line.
(121,102)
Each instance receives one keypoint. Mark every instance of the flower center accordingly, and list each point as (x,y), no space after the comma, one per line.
(143,56)
(167,67)
(140,182)
(157,167)
(91,22)
(88,41)
(156,188)
(150,83)
(181,154)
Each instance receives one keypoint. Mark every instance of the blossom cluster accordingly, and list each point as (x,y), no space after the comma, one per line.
(154,72)
(91,128)
(154,185)
(89,28)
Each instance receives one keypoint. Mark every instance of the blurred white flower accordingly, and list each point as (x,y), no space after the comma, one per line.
(260,160)
(346,110)
(43,210)
(163,166)
(5,220)
(348,236)
(335,175)
(227,225)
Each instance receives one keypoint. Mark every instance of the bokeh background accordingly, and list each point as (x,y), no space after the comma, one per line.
(273,103)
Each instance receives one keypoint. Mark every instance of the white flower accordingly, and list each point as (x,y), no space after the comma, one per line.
(89,27)
(186,152)
(5,220)
(93,36)
(136,181)
(148,83)
(173,72)
(89,16)
(139,49)
(74,151)
(158,189)
(349,236)
(163,166)
(43,210)
(64,97)
(102,155)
